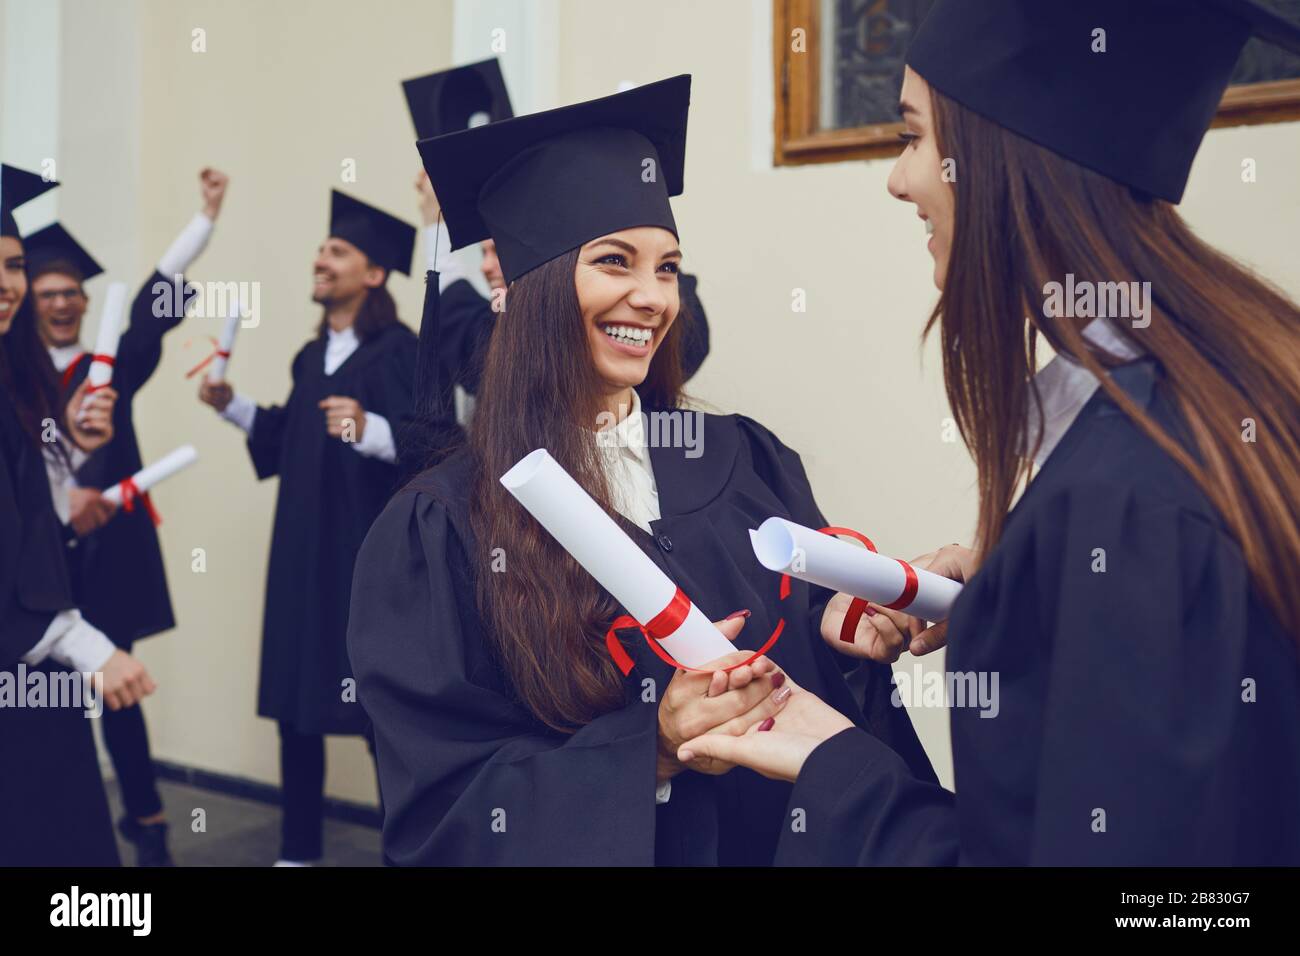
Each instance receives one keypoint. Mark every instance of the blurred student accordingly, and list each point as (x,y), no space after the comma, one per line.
(53,810)
(118,575)
(332,445)
(1139,601)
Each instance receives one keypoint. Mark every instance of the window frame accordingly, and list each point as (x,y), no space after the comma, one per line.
(797,95)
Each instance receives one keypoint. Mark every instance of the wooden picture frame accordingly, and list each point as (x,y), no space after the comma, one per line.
(797,140)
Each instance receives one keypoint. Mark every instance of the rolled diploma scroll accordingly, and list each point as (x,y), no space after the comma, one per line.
(841,566)
(596,542)
(110,333)
(217,370)
(150,475)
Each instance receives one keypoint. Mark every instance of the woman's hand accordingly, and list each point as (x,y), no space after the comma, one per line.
(90,427)
(951,561)
(779,751)
(124,681)
(882,635)
(89,510)
(718,702)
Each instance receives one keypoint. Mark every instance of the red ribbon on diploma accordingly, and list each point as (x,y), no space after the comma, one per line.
(667,621)
(130,493)
(665,624)
(71,370)
(216,352)
(858,606)
(103,360)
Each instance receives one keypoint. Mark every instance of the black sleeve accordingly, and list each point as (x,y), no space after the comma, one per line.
(33,573)
(267,438)
(1136,697)
(467,777)
(154,313)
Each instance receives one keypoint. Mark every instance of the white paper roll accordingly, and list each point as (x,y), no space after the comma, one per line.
(110,333)
(217,370)
(150,475)
(596,542)
(809,555)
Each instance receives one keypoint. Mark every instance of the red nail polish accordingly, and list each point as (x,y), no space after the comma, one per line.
(735,614)
(778,680)
(870,611)
(767,724)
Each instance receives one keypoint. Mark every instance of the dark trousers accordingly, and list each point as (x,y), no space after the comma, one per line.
(302,794)
(127,741)
(302,789)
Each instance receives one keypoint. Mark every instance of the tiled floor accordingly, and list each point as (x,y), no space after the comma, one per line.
(239,832)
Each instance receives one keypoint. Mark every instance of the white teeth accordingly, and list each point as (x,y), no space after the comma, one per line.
(929,227)
(627,334)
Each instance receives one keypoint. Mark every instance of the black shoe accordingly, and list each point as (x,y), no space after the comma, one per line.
(150,841)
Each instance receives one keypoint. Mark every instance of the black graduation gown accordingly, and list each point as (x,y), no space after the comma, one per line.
(118,576)
(1122,693)
(53,810)
(467,320)
(454,746)
(329,494)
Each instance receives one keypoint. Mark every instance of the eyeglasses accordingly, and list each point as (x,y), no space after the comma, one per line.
(54,295)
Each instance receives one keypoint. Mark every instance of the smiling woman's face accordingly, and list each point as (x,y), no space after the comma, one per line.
(627,289)
(917,176)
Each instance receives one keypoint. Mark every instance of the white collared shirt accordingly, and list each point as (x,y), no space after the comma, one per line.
(1064,386)
(627,465)
(65,355)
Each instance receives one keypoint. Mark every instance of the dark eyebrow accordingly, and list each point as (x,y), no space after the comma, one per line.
(905,107)
(674,254)
(625,246)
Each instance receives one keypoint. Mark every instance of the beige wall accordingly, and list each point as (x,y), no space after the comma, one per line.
(845,383)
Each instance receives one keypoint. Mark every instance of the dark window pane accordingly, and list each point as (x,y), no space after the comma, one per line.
(864,43)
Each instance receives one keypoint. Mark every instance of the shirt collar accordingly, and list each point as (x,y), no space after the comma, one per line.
(65,355)
(1064,386)
(626,436)
(346,335)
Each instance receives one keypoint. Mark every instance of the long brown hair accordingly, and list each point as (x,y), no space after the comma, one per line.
(545,616)
(27,373)
(1229,344)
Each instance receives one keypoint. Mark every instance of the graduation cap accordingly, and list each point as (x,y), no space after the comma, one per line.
(1135,113)
(457,99)
(387,240)
(17,186)
(53,249)
(543,184)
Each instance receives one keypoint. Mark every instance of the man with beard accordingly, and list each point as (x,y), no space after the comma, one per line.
(332,445)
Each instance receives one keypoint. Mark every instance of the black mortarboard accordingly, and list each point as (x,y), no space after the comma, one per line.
(1135,113)
(543,184)
(17,186)
(448,101)
(55,245)
(387,240)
